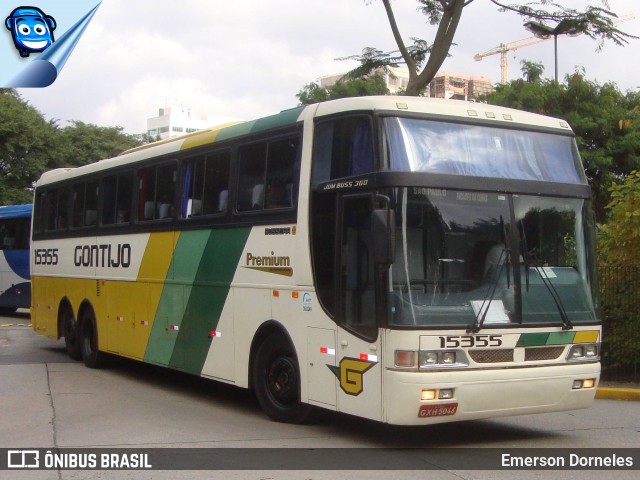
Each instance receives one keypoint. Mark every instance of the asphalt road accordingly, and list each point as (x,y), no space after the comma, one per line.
(47,400)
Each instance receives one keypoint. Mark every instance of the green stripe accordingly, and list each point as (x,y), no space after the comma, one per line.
(546,338)
(561,338)
(182,272)
(533,339)
(204,306)
(282,119)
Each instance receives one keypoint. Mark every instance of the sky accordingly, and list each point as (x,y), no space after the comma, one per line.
(248,58)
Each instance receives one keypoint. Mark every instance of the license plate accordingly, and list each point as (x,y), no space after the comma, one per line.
(427,411)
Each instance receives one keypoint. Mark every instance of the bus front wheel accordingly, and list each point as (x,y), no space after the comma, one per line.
(276,381)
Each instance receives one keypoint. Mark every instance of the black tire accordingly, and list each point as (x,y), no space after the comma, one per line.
(71,334)
(276,381)
(7,310)
(91,356)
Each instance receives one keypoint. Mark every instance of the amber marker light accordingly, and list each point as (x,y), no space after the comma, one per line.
(428,395)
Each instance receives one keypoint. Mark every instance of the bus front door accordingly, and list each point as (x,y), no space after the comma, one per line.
(358,351)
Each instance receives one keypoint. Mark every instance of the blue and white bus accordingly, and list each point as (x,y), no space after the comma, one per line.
(15,283)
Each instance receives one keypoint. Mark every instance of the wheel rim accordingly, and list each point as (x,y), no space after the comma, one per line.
(282,381)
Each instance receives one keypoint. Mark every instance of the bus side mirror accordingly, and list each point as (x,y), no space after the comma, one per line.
(383,229)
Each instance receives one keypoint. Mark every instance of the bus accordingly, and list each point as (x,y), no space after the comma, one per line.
(15,286)
(407,260)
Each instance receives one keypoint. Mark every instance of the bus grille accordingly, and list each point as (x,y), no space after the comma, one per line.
(542,353)
(491,356)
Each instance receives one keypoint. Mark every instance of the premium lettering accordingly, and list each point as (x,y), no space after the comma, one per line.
(268,261)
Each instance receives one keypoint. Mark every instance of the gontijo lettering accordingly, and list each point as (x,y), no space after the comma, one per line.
(103,256)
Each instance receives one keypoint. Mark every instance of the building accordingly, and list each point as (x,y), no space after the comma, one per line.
(444,84)
(396,80)
(457,86)
(174,121)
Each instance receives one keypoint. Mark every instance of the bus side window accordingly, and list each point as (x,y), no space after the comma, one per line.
(77,205)
(116,199)
(251,181)
(281,160)
(267,175)
(216,187)
(206,184)
(156,192)
(91,204)
(342,148)
(51,216)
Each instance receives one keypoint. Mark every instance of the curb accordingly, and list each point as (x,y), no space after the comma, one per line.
(618,393)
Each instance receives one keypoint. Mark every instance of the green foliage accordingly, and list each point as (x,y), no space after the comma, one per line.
(29,145)
(357,87)
(594,112)
(83,143)
(532,71)
(25,138)
(619,269)
(619,241)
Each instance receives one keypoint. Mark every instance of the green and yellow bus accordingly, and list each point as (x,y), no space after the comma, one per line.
(407,260)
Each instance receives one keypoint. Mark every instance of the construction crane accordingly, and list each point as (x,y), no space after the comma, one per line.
(504,48)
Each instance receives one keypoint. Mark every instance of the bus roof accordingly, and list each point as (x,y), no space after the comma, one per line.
(16,211)
(445,109)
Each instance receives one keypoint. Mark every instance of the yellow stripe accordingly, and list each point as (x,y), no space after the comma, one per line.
(137,301)
(204,137)
(590,336)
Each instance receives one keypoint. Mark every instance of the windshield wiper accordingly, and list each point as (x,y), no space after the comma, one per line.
(567,325)
(525,254)
(488,298)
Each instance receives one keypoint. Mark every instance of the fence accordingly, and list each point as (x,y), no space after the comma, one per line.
(620,289)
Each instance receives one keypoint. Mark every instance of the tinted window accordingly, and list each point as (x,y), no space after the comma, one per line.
(206,185)
(267,175)
(116,199)
(156,192)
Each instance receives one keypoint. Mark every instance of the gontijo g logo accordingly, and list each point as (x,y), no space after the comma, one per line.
(31,29)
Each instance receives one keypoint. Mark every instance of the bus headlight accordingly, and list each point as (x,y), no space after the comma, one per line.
(583,352)
(439,359)
(427,359)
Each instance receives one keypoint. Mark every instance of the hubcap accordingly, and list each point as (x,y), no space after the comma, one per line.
(282,380)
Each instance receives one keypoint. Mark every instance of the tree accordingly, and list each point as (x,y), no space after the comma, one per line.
(619,241)
(30,145)
(619,251)
(25,147)
(374,84)
(532,71)
(82,143)
(594,112)
(423,60)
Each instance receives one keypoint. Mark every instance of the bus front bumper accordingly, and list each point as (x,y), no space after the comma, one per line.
(476,394)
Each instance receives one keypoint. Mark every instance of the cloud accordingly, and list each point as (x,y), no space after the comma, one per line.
(249,58)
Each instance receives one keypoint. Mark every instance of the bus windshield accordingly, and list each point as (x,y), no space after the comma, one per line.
(419,145)
(505,259)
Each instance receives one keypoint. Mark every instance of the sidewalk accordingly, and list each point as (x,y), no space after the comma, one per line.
(618,391)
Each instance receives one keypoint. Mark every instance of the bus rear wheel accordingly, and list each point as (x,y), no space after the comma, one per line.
(276,381)
(71,336)
(91,356)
